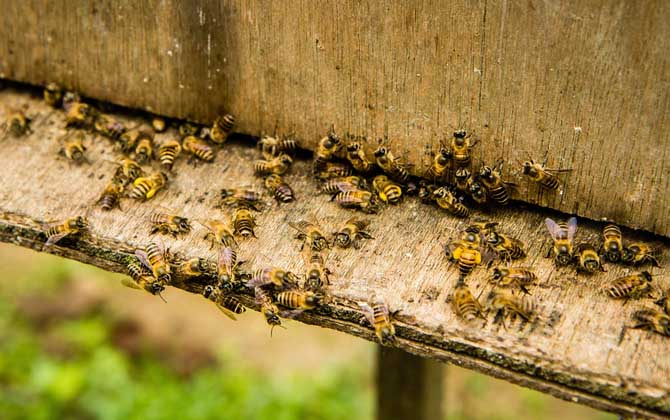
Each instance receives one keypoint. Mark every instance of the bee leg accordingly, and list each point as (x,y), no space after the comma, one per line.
(523,289)
(357,243)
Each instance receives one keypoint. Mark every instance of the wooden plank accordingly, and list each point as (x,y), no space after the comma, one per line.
(578,357)
(579,81)
(408,387)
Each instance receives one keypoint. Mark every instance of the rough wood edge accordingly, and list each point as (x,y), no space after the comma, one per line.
(340,315)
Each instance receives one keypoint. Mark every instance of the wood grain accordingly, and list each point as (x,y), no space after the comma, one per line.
(578,358)
(586,83)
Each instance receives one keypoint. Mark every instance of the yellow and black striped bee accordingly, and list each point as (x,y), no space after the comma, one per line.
(465,305)
(198,148)
(127,172)
(278,165)
(341,184)
(142,278)
(158,124)
(220,233)
(74,149)
(168,152)
(79,115)
(227,268)
(155,258)
(332,170)
(377,313)
(273,146)
(448,201)
(477,192)
(461,148)
(563,235)
(545,177)
(227,304)
(108,127)
(506,247)
(111,196)
(269,310)
(169,224)
(71,226)
(358,199)
(639,253)
(388,191)
(194,267)
(466,254)
(221,128)
(17,124)
(652,320)
(276,277)
(504,303)
(299,299)
(351,233)
(496,188)
(391,165)
(244,223)
(634,286)
(311,235)
(53,95)
(612,247)
(144,149)
(357,159)
(326,150)
(279,189)
(145,187)
(588,260)
(187,129)
(514,276)
(241,197)
(441,165)
(316,275)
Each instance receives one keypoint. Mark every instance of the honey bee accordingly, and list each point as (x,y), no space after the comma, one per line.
(505,303)
(110,197)
(227,267)
(506,247)
(387,190)
(155,258)
(461,148)
(127,172)
(440,166)
(299,299)
(198,148)
(514,276)
(269,310)
(359,199)
(328,147)
(144,150)
(129,140)
(464,303)
(563,235)
(79,115)
(497,189)
(588,260)
(547,178)
(145,187)
(612,247)
(227,304)
(279,189)
(652,320)
(169,224)
(71,226)
(311,235)
(241,197)
(634,286)
(377,313)
(391,165)
(278,165)
(17,124)
(194,267)
(351,233)
(220,233)
(446,200)
(317,273)
(243,223)
(342,184)
(465,254)
(273,146)
(638,253)
(426,192)
(158,124)
(334,170)
(53,95)
(221,128)
(74,149)
(168,152)
(142,278)
(477,192)
(356,156)
(108,127)
(188,129)
(276,277)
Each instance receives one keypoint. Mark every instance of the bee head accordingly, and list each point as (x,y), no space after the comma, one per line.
(380,152)
(460,134)
(528,168)
(486,172)
(497,273)
(183,223)
(286,159)
(613,253)
(79,223)
(445,153)
(646,275)
(387,334)
(591,266)
(208,290)
(563,257)
(353,147)
(627,256)
(271,317)
(155,288)
(492,238)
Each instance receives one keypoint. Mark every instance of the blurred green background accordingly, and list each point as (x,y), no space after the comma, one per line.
(76,344)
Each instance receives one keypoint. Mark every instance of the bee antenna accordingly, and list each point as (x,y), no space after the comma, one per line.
(160,295)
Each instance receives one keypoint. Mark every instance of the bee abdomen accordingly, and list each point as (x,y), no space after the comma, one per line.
(550,181)
(467,309)
(140,190)
(459,210)
(289,299)
(500,195)
(231,303)
(108,202)
(168,154)
(222,128)
(284,193)
(619,291)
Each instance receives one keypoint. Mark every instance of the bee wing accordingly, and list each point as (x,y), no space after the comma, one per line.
(291,314)
(53,239)
(554,229)
(572,228)
(226,259)
(295,226)
(130,283)
(367,311)
(227,312)
(144,259)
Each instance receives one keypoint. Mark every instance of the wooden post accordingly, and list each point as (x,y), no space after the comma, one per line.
(408,386)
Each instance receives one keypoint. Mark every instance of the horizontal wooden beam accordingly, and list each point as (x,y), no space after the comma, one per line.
(578,82)
(576,357)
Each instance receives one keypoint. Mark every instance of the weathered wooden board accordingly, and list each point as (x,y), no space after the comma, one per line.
(586,83)
(579,358)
